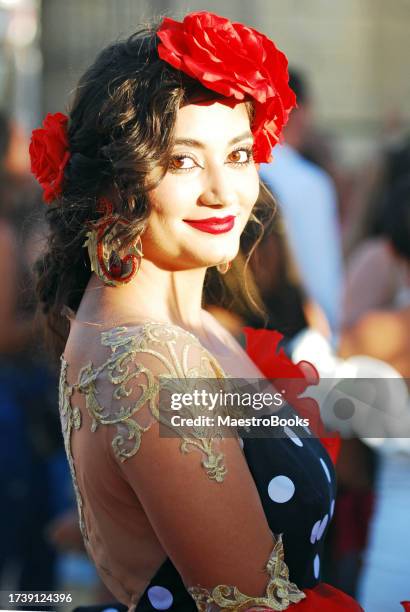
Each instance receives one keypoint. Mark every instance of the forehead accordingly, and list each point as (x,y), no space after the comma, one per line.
(212,123)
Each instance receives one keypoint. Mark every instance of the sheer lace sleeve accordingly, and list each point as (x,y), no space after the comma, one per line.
(123,392)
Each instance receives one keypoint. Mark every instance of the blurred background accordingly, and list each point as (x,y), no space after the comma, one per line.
(355,54)
(332,271)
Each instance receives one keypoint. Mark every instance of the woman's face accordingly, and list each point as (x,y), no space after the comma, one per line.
(201,206)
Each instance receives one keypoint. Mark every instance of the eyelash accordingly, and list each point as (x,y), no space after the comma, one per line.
(248,150)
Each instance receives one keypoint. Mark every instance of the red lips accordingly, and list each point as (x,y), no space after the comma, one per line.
(213,225)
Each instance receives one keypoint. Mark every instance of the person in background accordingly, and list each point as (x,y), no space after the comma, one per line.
(377,344)
(30,438)
(375,278)
(383,332)
(308,203)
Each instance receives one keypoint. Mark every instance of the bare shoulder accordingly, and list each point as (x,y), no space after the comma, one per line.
(229,334)
(232,354)
(169,345)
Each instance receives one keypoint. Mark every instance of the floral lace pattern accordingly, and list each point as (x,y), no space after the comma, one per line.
(280,592)
(70,418)
(125,374)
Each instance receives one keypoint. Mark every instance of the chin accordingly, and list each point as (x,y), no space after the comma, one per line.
(214,255)
(213,259)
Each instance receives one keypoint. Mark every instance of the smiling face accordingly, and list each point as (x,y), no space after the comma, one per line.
(203,203)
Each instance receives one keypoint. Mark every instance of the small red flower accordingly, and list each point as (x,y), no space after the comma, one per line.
(235,61)
(49,154)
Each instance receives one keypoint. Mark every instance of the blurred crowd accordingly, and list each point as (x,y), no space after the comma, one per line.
(332,267)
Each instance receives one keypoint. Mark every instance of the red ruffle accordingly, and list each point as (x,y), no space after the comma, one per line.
(323,598)
(327,599)
(262,346)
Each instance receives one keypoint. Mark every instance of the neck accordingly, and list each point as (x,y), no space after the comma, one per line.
(154,293)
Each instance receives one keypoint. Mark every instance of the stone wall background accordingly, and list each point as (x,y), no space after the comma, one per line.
(354,52)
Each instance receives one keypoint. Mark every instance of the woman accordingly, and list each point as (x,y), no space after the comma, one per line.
(156,173)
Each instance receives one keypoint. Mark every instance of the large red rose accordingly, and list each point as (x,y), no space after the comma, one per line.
(235,61)
(49,154)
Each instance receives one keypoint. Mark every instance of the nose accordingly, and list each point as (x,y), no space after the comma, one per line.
(218,188)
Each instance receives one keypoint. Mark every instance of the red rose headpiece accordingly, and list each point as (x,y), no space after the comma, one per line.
(49,154)
(228,58)
(235,61)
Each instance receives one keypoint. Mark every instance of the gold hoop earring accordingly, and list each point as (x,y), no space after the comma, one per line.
(224,267)
(105,262)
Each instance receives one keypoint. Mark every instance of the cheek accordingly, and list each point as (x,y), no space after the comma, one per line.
(249,189)
(171,198)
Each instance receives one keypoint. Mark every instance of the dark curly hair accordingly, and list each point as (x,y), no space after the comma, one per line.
(121,126)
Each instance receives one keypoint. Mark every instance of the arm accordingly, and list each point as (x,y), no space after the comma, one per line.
(198,494)
(214,533)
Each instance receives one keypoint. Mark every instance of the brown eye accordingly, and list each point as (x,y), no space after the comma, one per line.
(178,162)
(240,156)
(181,162)
(236,156)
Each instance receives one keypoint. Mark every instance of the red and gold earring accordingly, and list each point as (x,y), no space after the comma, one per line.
(107,264)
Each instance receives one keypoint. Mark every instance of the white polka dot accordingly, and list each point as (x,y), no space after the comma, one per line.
(281,489)
(316,566)
(315,528)
(240,442)
(323,526)
(325,469)
(160,598)
(332,508)
(291,434)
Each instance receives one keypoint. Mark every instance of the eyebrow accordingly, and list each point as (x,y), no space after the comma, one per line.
(191,142)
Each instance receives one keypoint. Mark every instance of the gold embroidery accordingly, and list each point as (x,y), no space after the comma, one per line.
(126,375)
(70,418)
(280,592)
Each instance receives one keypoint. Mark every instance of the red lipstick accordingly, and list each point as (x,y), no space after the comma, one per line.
(213,225)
